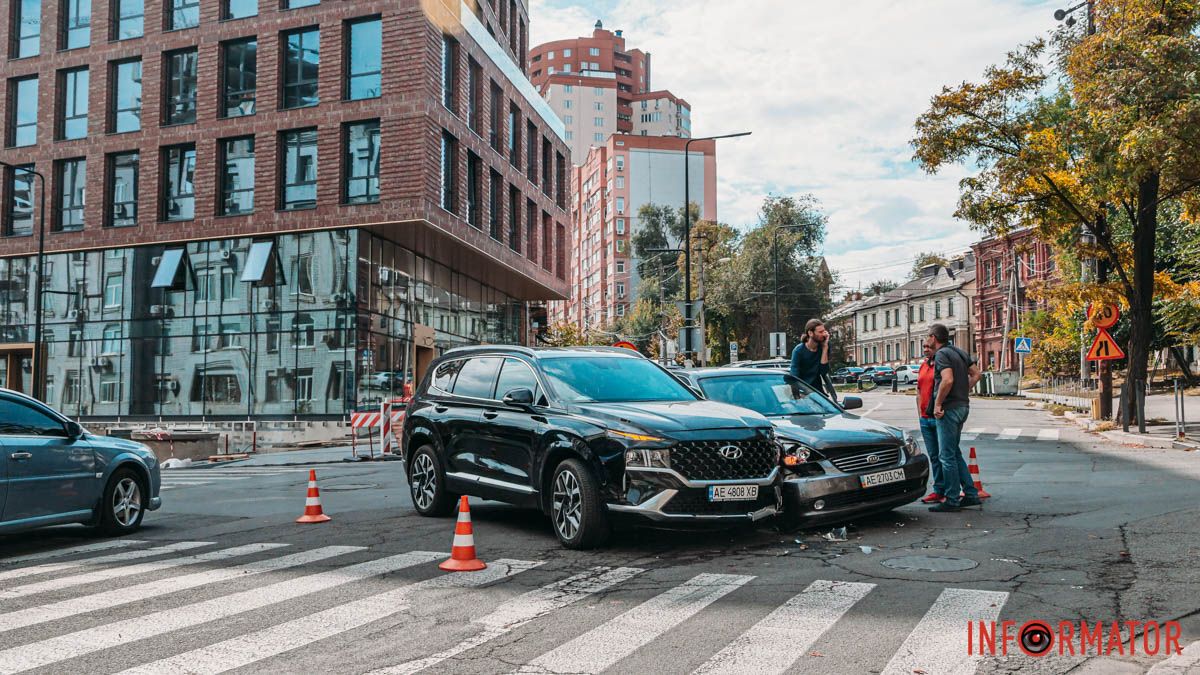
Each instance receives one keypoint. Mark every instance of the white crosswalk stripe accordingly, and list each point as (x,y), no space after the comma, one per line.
(938,645)
(63,552)
(773,644)
(124,556)
(1008,435)
(178,478)
(971,434)
(612,641)
(1048,434)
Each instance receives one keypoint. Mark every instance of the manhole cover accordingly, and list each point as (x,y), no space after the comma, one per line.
(349,486)
(930,563)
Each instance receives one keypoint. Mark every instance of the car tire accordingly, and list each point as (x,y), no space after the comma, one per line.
(123,503)
(427,484)
(578,515)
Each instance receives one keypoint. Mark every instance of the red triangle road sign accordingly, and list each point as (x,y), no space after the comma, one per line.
(1104,348)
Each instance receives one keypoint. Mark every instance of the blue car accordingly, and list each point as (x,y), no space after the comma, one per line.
(53,472)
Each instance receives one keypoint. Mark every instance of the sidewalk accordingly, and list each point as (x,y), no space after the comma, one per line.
(335,455)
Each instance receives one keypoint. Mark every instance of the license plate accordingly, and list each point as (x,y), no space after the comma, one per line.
(732,493)
(882,478)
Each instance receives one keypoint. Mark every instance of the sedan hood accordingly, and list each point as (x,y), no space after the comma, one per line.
(676,417)
(834,431)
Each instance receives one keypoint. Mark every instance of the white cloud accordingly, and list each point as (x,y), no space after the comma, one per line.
(830,91)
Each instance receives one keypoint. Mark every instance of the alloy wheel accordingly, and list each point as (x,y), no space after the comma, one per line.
(568,505)
(127,502)
(424,481)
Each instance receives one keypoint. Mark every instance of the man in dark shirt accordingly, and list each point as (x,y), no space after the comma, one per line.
(955,373)
(810,358)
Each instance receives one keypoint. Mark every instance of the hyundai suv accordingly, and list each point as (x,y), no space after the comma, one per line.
(589,436)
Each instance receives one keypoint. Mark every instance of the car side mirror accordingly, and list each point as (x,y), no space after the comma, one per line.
(521,397)
(851,402)
(74,430)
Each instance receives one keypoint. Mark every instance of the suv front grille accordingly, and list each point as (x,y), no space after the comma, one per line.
(861,461)
(699,460)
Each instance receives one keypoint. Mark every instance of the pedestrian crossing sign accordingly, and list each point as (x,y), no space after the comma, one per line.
(1023,345)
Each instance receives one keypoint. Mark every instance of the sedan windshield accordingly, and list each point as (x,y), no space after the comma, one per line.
(768,394)
(611,379)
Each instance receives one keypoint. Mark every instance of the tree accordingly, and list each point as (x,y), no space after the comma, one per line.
(924,260)
(565,334)
(660,227)
(881,286)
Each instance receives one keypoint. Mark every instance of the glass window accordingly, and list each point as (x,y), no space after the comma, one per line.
(183,14)
(304,274)
(301,62)
(181,87)
(449,172)
(362,162)
(112,290)
(593,51)
(494,205)
(240,84)
(169,273)
(365,65)
(72,178)
(293,4)
(127,96)
(18,418)
(262,264)
(27,22)
(303,329)
(449,73)
(179,198)
(475,95)
(18,212)
(130,19)
(77,23)
(112,339)
(123,189)
(612,378)
(237,176)
(24,104)
(299,169)
(477,377)
(514,135)
(240,9)
(73,115)
(473,169)
(515,375)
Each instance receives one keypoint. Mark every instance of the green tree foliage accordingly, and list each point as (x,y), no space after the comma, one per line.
(925,259)
(881,286)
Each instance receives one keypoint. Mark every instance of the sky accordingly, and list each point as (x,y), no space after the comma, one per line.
(830,91)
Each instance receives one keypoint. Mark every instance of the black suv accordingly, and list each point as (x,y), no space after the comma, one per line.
(588,435)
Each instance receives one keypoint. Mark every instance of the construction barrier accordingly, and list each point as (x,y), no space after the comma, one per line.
(363,420)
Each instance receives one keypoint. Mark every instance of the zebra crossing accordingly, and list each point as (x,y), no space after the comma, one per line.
(173,479)
(1052,435)
(95,605)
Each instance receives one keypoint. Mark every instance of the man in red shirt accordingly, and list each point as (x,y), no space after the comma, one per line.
(925,378)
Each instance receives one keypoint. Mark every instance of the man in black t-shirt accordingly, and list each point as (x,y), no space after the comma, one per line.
(810,358)
(955,374)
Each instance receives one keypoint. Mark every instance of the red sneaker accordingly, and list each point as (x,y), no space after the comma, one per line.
(932,498)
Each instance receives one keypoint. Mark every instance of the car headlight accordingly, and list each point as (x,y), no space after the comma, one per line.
(795,454)
(911,446)
(648,459)
(640,438)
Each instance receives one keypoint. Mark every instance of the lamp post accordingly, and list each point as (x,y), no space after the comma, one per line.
(687,225)
(775,255)
(38,376)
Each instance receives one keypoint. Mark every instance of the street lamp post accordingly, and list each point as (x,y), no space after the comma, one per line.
(687,225)
(38,376)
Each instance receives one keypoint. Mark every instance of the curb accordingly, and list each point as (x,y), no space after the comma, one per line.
(1117,436)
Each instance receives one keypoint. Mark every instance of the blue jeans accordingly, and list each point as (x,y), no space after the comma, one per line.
(954,468)
(929,432)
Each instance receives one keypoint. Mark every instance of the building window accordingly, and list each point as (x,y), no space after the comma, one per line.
(23,102)
(181,87)
(494,213)
(473,168)
(240,77)
(77,24)
(514,135)
(179,199)
(531,151)
(530,226)
(937,309)
(128,19)
(229,284)
(514,218)
(620,205)
(304,384)
(73,102)
(570,135)
(620,267)
(112,291)
(497,117)
(875,321)
(598,137)
(295,4)
(949,306)
(304,283)
(239,9)
(18,197)
(365,63)
(72,179)
(182,14)
(111,342)
(620,289)
(301,64)
(362,162)
(474,96)
(123,189)
(27,28)
(304,333)
(599,105)
(921,313)
(127,96)
(449,172)
(593,51)
(237,176)
(567,104)
(450,73)
(299,170)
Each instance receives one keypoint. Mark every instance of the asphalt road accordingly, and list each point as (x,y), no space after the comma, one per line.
(1075,530)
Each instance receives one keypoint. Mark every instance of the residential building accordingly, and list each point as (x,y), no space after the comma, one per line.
(223,249)
(1007,268)
(840,322)
(616,180)
(890,327)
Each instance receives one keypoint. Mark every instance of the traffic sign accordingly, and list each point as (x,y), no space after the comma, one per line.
(1105,317)
(778,345)
(690,339)
(626,344)
(1023,345)
(1104,348)
(733,352)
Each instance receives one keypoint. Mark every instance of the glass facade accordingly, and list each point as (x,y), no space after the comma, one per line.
(294,325)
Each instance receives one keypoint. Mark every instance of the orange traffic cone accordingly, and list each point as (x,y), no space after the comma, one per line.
(462,554)
(312,504)
(973,467)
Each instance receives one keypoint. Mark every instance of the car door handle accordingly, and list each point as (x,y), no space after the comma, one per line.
(491,414)
(440,408)
(21,455)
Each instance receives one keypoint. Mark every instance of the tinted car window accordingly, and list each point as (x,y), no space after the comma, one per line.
(477,377)
(19,419)
(515,375)
(767,394)
(443,377)
(607,379)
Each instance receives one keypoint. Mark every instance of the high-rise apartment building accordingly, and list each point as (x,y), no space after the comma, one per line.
(256,209)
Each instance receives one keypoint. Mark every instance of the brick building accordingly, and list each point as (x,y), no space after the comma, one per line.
(1006,268)
(256,209)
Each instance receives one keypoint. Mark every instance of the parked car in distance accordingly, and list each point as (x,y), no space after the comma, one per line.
(907,374)
(877,374)
(837,466)
(54,472)
(846,375)
(778,364)
(589,435)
